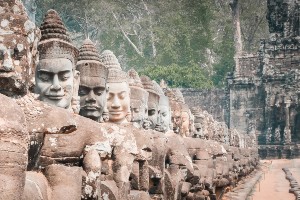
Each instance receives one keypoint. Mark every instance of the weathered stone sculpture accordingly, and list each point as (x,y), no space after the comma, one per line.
(164,110)
(17,50)
(153,101)
(198,133)
(118,100)
(17,59)
(138,98)
(55,73)
(164,114)
(93,78)
(185,121)
(72,157)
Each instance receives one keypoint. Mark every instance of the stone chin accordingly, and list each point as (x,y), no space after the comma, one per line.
(62,102)
(92,114)
(117,116)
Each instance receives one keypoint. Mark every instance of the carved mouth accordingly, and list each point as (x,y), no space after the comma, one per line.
(55,97)
(93,108)
(115,112)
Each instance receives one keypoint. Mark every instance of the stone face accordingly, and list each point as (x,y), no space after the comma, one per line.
(153,100)
(93,78)
(138,98)
(55,71)
(17,54)
(118,98)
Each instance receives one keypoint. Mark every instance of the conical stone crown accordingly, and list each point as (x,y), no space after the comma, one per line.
(134,79)
(53,27)
(88,51)
(109,59)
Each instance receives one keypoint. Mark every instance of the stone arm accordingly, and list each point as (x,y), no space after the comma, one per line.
(13,149)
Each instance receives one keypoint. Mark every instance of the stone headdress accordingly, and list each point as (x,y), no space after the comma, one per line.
(196,111)
(91,69)
(115,74)
(55,42)
(153,99)
(138,95)
(89,64)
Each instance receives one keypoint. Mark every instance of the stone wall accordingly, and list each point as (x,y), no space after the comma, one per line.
(213,101)
(264,93)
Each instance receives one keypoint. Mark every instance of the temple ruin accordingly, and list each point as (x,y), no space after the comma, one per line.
(75,125)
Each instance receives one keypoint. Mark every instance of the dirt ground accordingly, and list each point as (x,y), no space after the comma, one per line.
(273,185)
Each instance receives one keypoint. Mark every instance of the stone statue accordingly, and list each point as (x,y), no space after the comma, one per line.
(153,101)
(277,136)
(198,133)
(93,78)
(18,53)
(164,111)
(185,121)
(72,157)
(164,120)
(175,109)
(118,98)
(55,71)
(138,99)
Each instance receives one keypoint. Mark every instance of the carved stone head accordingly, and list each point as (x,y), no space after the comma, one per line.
(198,132)
(176,103)
(164,111)
(18,48)
(185,120)
(56,68)
(138,97)
(93,78)
(153,100)
(118,98)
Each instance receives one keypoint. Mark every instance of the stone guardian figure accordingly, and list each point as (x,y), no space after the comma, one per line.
(93,78)
(55,71)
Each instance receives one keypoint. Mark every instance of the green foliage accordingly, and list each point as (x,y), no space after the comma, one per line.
(163,39)
(179,76)
(226,63)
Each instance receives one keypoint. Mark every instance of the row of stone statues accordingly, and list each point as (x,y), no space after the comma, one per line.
(74,125)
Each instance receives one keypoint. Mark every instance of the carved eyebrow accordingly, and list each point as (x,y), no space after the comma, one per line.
(45,72)
(64,72)
(83,86)
(99,87)
(122,92)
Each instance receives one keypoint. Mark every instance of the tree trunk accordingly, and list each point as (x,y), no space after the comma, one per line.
(234,5)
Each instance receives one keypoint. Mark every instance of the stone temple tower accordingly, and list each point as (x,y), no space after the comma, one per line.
(264,97)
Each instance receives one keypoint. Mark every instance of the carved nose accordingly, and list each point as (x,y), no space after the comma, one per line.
(91,97)
(55,84)
(116,103)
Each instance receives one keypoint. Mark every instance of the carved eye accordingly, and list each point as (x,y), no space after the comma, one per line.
(122,95)
(44,77)
(136,110)
(164,114)
(17,55)
(65,76)
(82,91)
(98,91)
(151,112)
